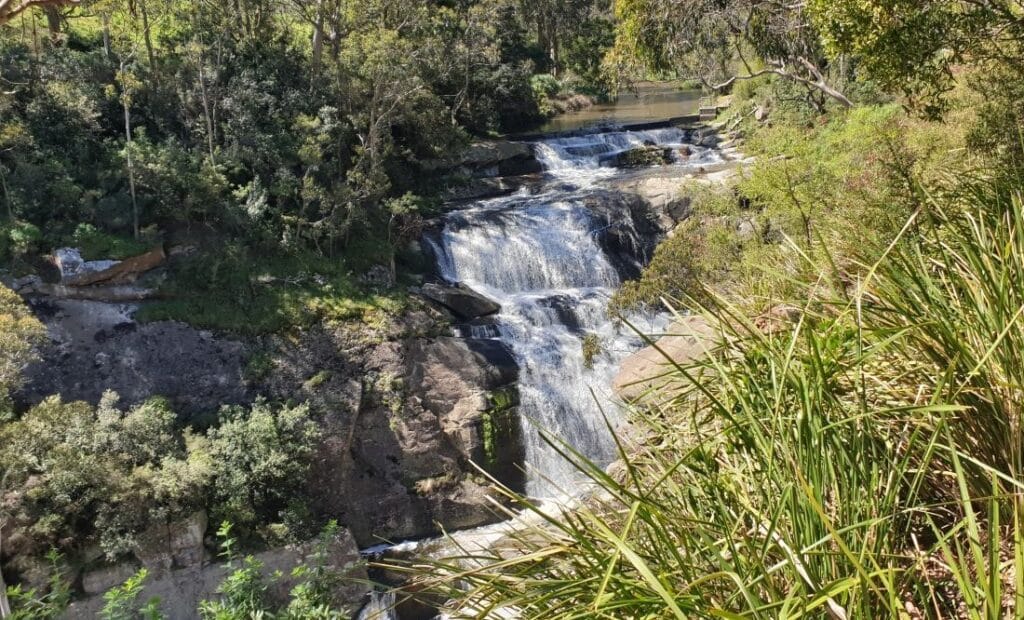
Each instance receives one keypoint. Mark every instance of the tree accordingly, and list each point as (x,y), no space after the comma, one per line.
(20,331)
(913,45)
(719,43)
(261,456)
(9,9)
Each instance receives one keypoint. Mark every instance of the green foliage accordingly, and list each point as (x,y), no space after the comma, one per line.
(261,456)
(47,605)
(96,244)
(20,332)
(243,592)
(498,423)
(591,346)
(120,602)
(248,292)
(104,476)
(810,189)
(913,46)
(18,239)
(545,87)
(238,122)
(100,475)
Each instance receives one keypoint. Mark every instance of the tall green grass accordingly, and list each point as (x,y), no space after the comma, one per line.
(864,463)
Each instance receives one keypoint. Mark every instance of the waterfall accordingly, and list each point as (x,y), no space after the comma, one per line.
(576,154)
(540,257)
(381,606)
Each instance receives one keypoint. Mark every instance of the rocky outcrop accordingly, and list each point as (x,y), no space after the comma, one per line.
(492,158)
(95,346)
(404,413)
(666,195)
(628,229)
(501,159)
(645,375)
(465,303)
(639,157)
(181,590)
(178,544)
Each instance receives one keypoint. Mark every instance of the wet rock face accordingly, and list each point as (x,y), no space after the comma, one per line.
(465,303)
(94,347)
(639,157)
(628,230)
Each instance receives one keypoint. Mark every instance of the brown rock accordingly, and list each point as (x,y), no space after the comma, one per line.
(178,544)
(645,372)
(777,319)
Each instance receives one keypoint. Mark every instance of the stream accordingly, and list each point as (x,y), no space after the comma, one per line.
(539,253)
(540,256)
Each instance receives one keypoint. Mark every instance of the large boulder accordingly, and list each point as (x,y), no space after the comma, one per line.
(638,157)
(465,303)
(647,374)
(627,228)
(667,195)
(402,419)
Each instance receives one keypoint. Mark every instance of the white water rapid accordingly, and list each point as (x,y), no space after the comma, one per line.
(540,256)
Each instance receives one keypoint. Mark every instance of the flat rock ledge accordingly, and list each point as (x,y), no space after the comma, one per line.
(644,376)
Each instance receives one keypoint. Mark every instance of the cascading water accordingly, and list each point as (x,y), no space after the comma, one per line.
(539,256)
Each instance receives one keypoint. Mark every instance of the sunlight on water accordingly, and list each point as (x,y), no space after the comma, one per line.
(540,258)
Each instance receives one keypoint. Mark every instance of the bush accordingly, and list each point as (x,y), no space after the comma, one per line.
(77,475)
(96,244)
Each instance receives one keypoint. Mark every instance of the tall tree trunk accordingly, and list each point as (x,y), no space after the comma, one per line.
(318,37)
(556,52)
(542,38)
(206,109)
(336,29)
(125,101)
(54,21)
(105,18)
(147,36)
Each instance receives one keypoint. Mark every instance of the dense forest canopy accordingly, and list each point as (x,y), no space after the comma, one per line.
(290,123)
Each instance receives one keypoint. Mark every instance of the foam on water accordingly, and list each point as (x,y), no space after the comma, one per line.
(540,258)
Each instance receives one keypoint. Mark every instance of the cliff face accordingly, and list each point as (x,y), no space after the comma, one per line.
(404,408)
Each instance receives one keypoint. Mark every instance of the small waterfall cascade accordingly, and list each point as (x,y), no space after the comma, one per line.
(585,153)
(381,606)
(540,256)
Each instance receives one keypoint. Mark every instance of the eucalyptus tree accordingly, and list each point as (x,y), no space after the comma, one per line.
(10,9)
(719,42)
(914,46)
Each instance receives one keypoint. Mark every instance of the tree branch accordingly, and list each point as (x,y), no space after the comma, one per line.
(9,9)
